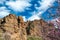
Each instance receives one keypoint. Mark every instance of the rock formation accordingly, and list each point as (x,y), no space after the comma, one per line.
(39,28)
(12,28)
(34,28)
(22,27)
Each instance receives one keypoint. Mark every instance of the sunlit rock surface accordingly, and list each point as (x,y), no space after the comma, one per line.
(14,28)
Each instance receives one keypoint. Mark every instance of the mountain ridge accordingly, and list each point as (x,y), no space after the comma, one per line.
(14,28)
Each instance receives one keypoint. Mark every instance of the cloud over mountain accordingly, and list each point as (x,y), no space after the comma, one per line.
(4,12)
(45,4)
(26,6)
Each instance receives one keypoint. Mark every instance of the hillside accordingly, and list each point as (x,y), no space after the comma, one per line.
(14,28)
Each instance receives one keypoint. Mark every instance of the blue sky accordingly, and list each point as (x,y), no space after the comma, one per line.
(28,9)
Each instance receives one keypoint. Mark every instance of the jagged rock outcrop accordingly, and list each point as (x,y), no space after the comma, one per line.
(22,27)
(33,28)
(43,29)
(46,28)
(12,28)
(39,28)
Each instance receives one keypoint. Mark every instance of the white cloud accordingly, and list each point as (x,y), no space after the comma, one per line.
(18,5)
(45,4)
(24,18)
(3,12)
(21,5)
(35,16)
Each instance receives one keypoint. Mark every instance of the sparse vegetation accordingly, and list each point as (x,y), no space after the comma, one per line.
(1,38)
(34,38)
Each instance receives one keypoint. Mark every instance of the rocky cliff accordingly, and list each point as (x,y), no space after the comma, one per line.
(14,28)
(39,28)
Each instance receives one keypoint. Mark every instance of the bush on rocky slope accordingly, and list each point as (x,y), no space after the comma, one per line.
(34,38)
